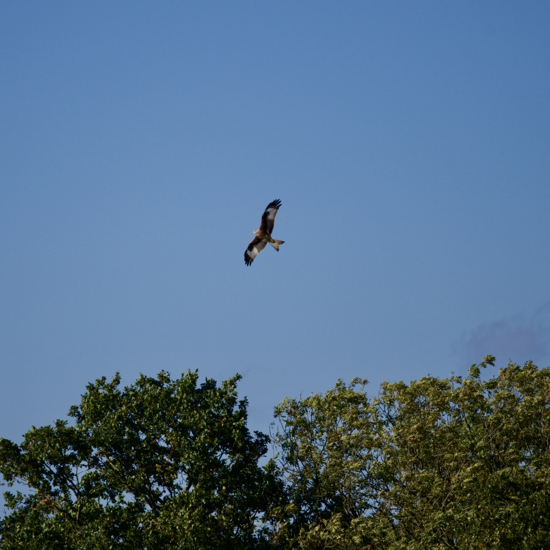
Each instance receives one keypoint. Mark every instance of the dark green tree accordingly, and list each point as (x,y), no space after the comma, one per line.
(159,464)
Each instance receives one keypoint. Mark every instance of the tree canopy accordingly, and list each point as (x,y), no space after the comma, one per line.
(437,463)
(159,464)
(454,463)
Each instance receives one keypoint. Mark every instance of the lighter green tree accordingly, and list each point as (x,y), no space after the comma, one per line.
(453,463)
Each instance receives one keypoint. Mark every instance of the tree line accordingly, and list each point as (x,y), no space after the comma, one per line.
(166,463)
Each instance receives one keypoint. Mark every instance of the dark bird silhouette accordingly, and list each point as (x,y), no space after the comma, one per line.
(263,235)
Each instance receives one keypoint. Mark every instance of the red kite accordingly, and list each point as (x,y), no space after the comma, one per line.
(263,235)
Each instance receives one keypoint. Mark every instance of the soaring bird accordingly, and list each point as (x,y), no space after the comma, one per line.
(263,235)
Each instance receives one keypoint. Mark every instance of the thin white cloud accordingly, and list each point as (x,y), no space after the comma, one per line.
(518,339)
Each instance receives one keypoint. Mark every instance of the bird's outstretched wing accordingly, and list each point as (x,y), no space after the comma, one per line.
(268,217)
(253,249)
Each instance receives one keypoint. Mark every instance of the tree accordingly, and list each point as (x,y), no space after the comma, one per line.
(434,464)
(466,463)
(454,463)
(159,464)
(328,445)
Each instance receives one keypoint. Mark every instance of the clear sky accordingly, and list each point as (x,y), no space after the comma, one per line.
(140,142)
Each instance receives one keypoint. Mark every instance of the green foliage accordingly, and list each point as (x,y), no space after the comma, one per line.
(434,464)
(159,464)
(327,444)
(457,463)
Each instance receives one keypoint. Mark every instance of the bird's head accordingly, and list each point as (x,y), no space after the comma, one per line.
(255,232)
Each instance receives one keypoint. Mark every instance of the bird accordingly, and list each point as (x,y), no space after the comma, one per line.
(263,235)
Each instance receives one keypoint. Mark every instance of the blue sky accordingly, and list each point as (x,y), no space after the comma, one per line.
(409,143)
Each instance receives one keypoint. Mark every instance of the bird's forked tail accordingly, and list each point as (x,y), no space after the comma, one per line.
(275,244)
